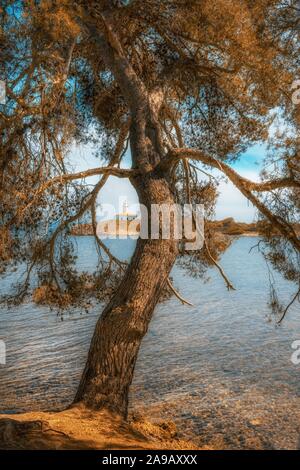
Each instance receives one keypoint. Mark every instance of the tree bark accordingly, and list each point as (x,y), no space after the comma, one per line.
(124,322)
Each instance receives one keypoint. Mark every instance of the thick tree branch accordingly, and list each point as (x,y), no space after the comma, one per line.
(109,171)
(146,141)
(246,187)
(61,179)
(112,51)
(233,175)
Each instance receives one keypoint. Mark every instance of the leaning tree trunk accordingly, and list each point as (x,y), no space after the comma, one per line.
(124,322)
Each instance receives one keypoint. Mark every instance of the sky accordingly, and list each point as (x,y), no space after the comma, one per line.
(231,203)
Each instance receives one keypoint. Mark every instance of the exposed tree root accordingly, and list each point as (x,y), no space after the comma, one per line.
(79,428)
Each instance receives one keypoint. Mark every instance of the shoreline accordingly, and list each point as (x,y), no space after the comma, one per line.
(226,227)
(79,428)
(135,235)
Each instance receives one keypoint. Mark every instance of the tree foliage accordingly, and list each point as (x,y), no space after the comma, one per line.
(212,75)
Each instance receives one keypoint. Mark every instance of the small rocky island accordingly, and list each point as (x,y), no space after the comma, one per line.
(227,226)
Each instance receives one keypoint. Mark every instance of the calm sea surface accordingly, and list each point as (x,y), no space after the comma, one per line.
(220,369)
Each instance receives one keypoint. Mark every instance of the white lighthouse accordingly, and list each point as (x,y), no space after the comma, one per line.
(125,215)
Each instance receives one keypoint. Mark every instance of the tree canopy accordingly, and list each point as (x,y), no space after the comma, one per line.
(189,85)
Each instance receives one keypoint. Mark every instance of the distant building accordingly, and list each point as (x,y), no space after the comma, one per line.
(125,215)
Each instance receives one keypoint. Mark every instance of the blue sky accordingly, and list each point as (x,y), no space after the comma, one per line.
(230,203)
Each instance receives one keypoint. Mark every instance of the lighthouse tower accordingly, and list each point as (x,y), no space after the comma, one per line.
(125,214)
(125,207)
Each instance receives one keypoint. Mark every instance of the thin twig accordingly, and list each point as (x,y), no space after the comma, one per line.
(289,306)
(228,283)
(176,293)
